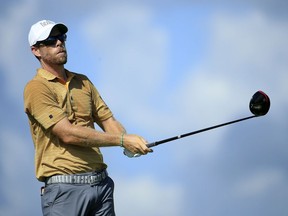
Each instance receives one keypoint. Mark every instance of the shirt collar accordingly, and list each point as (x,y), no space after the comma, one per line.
(49,76)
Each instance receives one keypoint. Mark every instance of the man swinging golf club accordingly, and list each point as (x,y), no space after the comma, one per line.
(62,107)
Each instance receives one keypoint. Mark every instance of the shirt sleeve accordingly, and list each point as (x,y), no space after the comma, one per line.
(100,110)
(41,103)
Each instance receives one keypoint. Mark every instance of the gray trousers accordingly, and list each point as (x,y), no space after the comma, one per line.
(78,199)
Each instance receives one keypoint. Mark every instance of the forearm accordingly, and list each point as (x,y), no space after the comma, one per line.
(113,126)
(84,136)
(89,137)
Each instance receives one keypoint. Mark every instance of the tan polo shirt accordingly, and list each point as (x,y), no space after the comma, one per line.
(47,101)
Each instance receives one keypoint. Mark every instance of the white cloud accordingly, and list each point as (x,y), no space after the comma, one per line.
(243,57)
(144,196)
(131,46)
(16,171)
(133,56)
(15,48)
(258,183)
(247,52)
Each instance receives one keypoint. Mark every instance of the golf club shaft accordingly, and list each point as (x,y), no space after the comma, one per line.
(196,132)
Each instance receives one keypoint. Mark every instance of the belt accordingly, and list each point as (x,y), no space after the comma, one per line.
(91,178)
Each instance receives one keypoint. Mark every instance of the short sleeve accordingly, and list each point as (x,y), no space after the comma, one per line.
(41,103)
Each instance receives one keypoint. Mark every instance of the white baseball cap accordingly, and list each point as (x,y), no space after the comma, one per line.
(42,29)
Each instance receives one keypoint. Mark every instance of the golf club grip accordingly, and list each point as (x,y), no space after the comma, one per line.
(149,145)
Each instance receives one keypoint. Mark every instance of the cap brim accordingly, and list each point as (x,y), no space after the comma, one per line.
(61,27)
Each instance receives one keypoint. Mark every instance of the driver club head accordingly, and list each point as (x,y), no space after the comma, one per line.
(259,104)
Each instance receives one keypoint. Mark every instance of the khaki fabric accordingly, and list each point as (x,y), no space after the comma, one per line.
(47,101)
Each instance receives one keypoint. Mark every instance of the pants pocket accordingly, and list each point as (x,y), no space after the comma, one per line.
(48,197)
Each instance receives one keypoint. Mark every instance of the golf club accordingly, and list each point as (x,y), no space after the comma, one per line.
(259,105)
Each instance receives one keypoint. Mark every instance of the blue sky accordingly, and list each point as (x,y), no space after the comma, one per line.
(164,69)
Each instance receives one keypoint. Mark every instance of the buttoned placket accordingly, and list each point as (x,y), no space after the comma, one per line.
(69,96)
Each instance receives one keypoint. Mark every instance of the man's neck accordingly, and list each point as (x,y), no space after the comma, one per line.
(57,70)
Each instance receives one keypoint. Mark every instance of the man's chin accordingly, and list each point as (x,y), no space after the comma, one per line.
(62,61)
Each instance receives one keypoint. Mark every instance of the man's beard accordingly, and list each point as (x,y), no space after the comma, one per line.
(57,60)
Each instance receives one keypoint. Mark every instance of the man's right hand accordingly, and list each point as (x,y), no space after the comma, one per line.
(135,145)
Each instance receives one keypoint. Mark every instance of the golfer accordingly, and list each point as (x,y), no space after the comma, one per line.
(62,107)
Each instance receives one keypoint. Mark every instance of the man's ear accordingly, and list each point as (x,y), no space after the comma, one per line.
(35,51)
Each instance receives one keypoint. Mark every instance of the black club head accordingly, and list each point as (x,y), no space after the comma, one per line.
(259,104)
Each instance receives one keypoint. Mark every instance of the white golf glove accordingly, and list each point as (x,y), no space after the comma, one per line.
(130,154)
